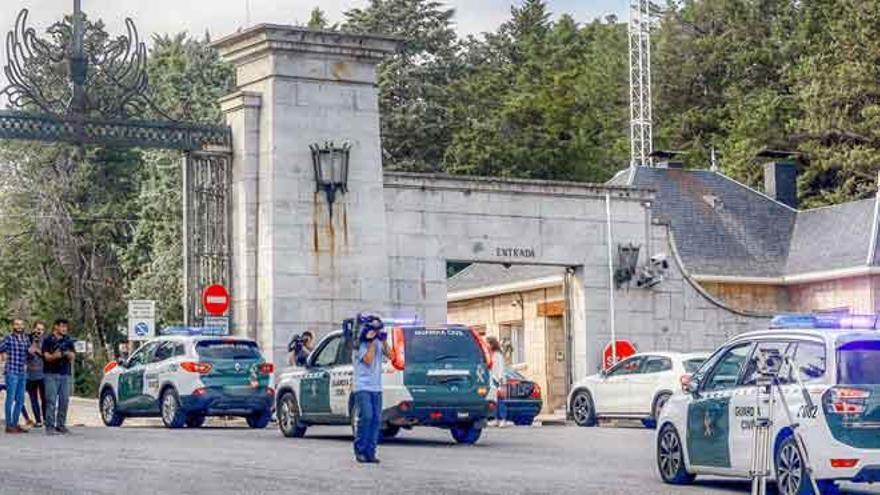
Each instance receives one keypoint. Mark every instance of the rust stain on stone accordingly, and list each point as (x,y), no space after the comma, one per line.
(340,70)
(316,203)
(344,225)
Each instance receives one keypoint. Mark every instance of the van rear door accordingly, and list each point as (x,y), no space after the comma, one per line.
(444,366)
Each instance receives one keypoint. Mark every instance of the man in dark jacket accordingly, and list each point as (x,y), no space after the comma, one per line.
(58,353)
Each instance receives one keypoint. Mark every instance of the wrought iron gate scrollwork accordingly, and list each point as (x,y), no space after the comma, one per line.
(86,92)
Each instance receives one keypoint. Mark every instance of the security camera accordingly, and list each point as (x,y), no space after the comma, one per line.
(659,261)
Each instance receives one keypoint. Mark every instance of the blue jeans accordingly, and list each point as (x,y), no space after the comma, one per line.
(57,399)
(368,423)
(15,383)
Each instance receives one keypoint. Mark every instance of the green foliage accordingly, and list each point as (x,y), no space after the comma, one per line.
(318,19)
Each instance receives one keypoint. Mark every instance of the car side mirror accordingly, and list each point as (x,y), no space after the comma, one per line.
(603,373)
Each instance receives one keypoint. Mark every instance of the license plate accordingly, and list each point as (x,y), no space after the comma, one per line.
(463,415)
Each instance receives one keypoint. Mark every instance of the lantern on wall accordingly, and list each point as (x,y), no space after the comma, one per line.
(330,164)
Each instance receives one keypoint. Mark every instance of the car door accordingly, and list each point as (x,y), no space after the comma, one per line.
(709,416)
(654,371)
(315,384)
(132,383)
(613,389)
(744,406)
(341,380)
(158,371)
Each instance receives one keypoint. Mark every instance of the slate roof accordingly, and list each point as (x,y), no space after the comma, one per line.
(480,275)
(722,227)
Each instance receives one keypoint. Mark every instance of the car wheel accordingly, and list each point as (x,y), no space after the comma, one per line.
(172,414)
(259,419)
(791,473)
(109,413)
(288,417)
(670,457)
(467,434)
(195,421)
(390,431)
(582,409)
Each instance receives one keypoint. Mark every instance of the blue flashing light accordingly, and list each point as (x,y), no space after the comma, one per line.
(195,331)
(831,321)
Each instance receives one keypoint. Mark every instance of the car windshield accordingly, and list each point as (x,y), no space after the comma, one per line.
(427,345)
(858,362)
(692,365)
(514,375)
(227,349)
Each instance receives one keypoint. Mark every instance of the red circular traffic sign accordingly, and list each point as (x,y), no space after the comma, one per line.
(215,300)
(625,349)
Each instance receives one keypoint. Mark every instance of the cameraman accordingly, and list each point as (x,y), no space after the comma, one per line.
(367,393)
(58,352)
(300,347)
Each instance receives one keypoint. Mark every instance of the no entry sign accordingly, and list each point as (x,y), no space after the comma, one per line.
(215,300)
(625,349)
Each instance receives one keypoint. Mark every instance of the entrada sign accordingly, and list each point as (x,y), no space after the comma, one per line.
(515,252)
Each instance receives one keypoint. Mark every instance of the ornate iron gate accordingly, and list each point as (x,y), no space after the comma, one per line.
(206,178)
(81,118)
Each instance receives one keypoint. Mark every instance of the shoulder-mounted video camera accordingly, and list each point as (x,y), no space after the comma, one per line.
(768,362)
(297,342)
(360,326)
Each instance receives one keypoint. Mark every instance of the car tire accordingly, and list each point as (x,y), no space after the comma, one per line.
(390,431)
(583,410)
(195,421)
(172,414)
(259,419)
(466,434)
(288,417)
(791,473)
(110,414)
(670,457)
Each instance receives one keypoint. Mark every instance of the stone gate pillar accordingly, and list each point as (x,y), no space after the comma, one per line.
(293,268)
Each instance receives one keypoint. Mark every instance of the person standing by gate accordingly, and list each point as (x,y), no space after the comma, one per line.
(15,346)
(58,353)
(35,384)
(367,393)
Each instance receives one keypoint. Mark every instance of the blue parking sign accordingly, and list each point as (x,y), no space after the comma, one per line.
(142,329)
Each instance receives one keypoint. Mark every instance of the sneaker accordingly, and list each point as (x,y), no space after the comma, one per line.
(10,429)
(373,460)
(361,459)
(63,430)
(38,424)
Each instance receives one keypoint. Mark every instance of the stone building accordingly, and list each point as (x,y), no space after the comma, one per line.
(746,251)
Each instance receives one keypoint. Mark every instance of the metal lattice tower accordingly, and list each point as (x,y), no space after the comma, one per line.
(641,131)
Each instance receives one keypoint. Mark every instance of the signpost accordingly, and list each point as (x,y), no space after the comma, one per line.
(612,356)
(215,300)
(221,322)
(141,320)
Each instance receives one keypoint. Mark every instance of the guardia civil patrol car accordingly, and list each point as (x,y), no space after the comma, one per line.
(708,429)
(438,376)
(187,376)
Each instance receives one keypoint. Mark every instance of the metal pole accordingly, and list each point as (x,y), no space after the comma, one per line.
(610,278)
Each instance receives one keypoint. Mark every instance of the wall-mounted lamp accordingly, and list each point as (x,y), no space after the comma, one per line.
(331,169)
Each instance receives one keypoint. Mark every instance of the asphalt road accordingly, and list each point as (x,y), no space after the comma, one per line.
(235,460)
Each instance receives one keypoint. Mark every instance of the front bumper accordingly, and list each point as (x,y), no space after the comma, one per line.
(216,402)
(409,414)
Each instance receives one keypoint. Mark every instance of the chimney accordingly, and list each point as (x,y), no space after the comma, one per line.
(666,159)
(780,177)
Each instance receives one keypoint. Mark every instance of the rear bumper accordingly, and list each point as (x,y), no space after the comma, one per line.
(440,416)
(218,403)
(519,411)
(867,470)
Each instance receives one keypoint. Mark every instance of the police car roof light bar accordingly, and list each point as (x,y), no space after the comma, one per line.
(194,331)
(831,321)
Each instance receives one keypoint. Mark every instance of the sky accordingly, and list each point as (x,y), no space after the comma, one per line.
(222,17)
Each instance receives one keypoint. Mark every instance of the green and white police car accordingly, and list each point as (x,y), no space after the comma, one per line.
(184,378)
(438,376)
(709,428)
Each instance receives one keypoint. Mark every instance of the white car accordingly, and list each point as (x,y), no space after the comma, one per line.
(709,430)
(635,388)
(183,379)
